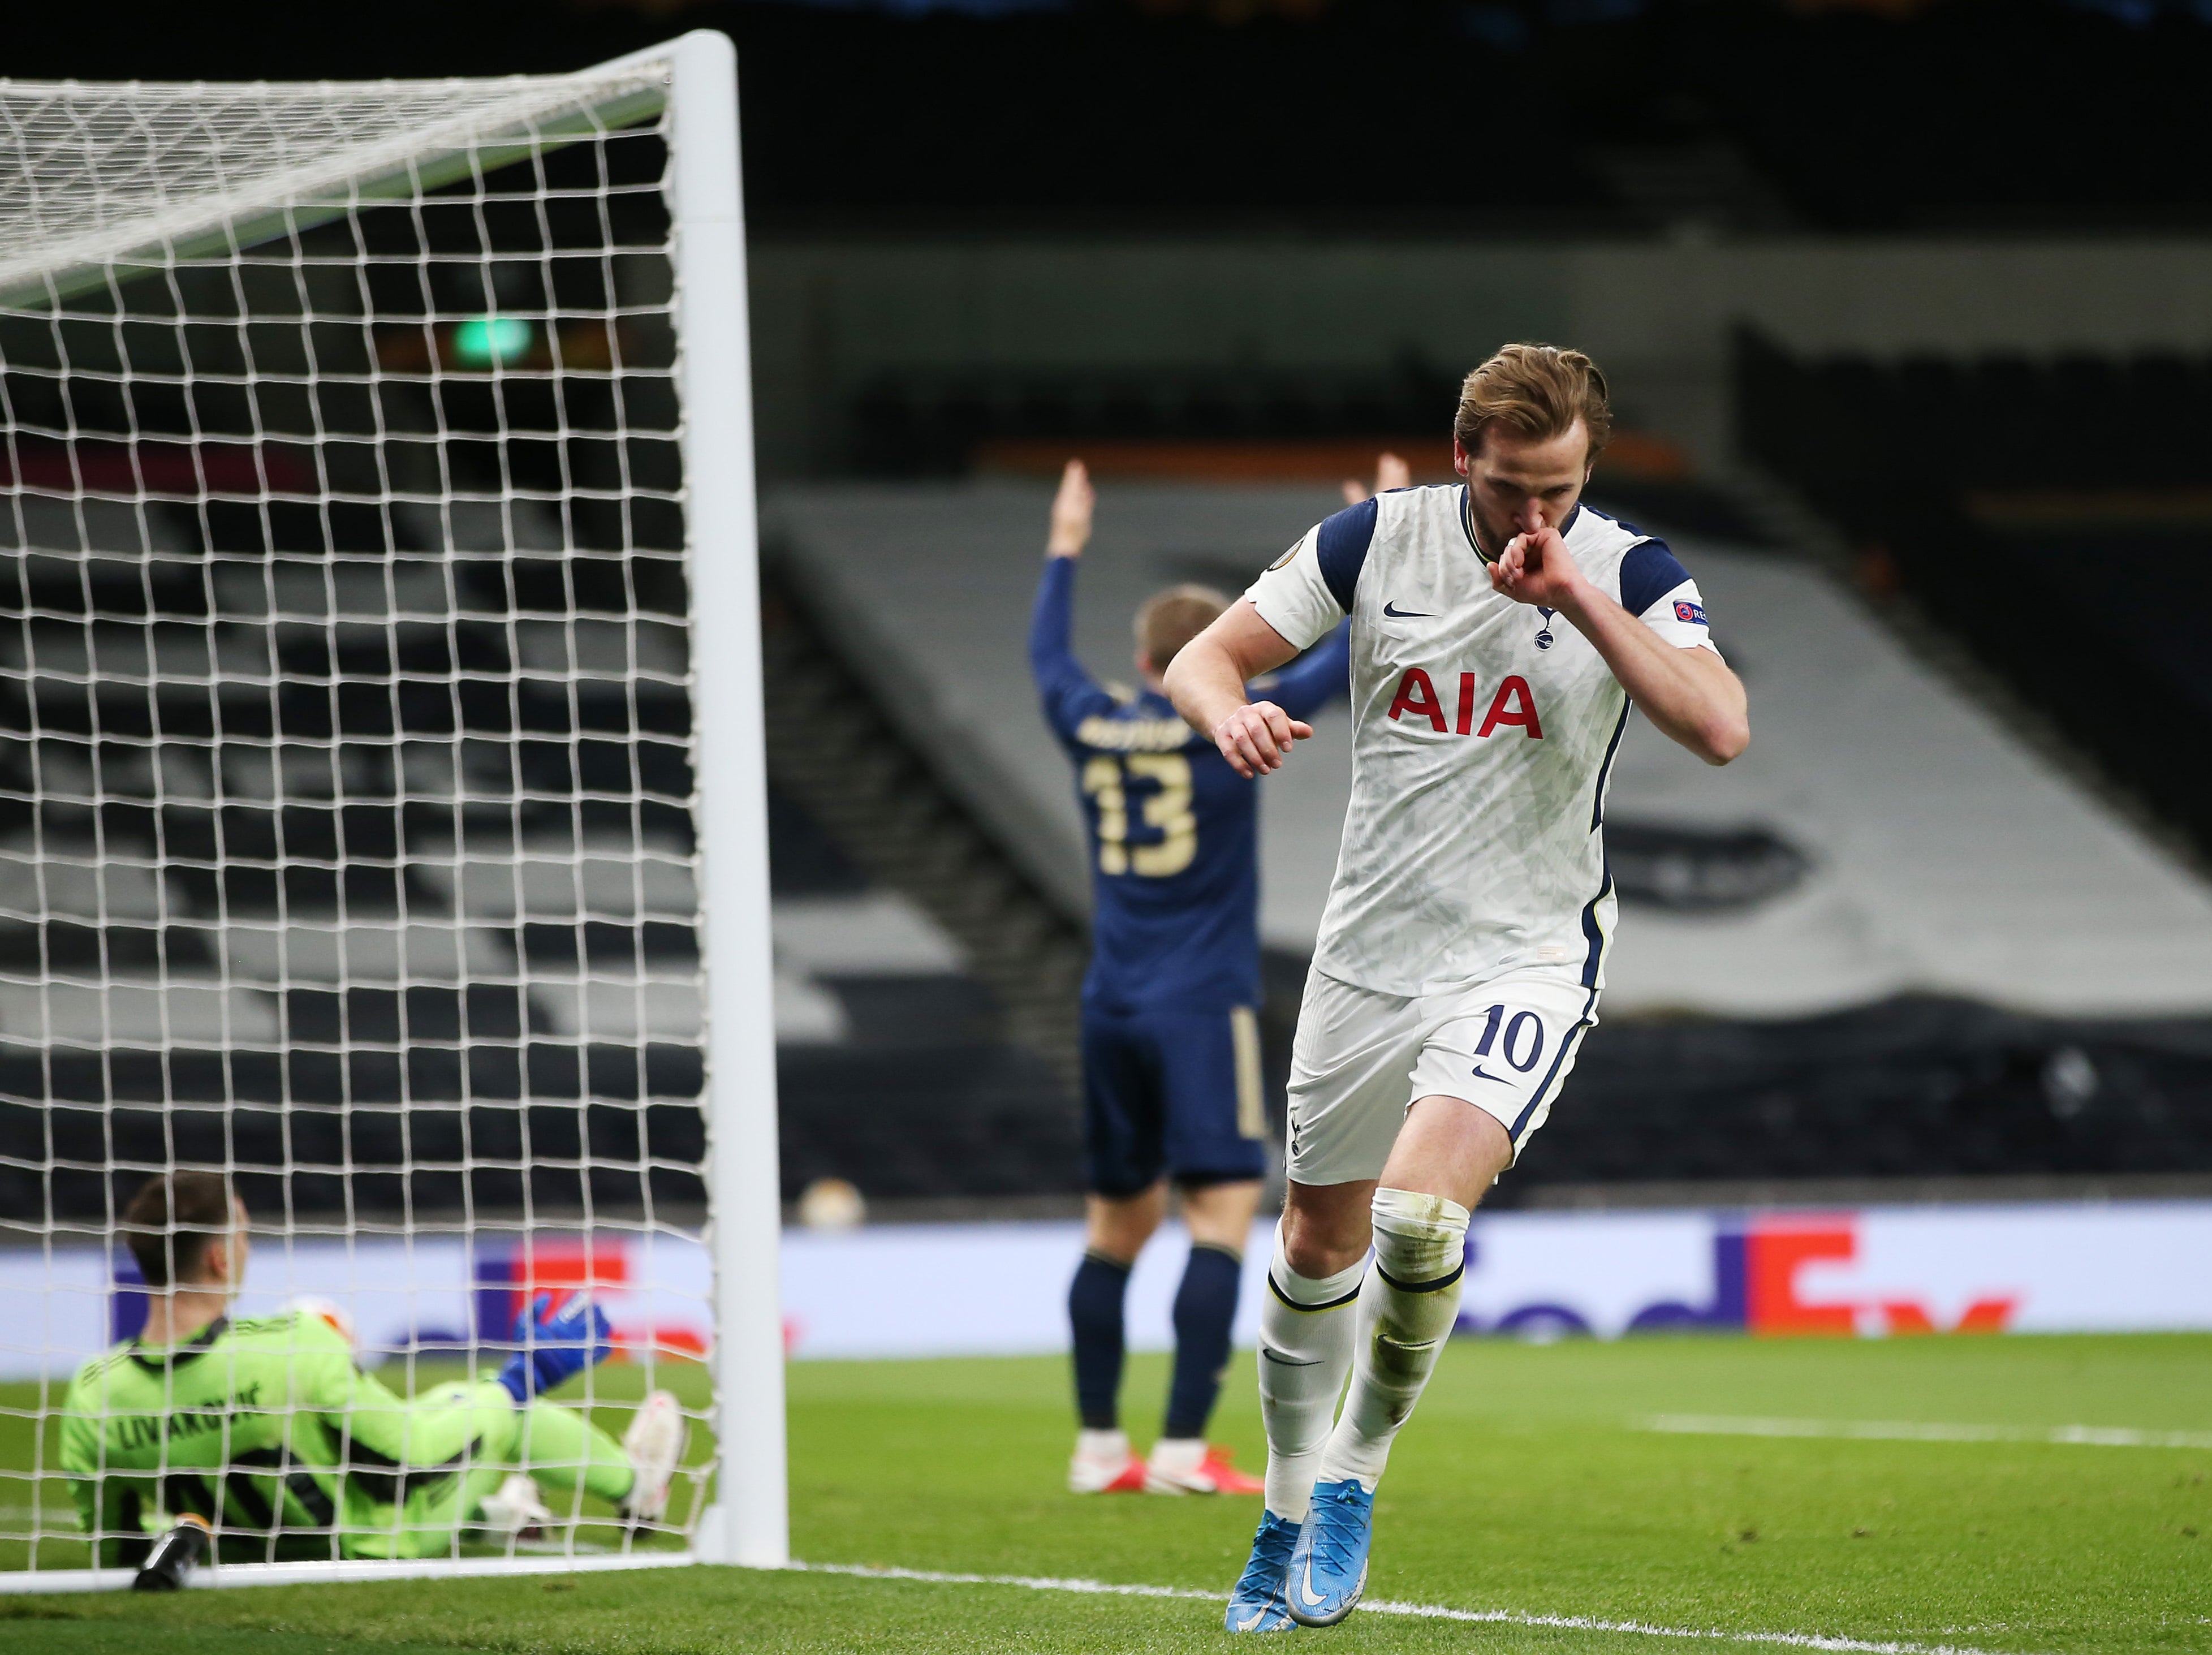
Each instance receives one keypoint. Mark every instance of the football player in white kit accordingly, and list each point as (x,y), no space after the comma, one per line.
(1500,630)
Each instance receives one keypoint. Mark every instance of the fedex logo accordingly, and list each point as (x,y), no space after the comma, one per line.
(509,1278)
(1779,1255)
(1778,1276)
(1513,703)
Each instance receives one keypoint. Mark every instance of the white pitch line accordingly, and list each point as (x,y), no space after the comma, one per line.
(2090,1436)
(1420,1611)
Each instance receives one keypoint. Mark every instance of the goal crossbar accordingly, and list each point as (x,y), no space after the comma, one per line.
(65,227)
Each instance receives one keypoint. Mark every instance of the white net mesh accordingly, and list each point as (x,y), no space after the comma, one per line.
(346,830)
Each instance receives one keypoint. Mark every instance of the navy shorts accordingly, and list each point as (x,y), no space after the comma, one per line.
(1171,1092)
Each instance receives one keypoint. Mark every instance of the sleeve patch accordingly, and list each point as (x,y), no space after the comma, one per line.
(1694,613)
(1340,548)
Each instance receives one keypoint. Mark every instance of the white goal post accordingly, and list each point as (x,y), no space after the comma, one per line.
(383,808)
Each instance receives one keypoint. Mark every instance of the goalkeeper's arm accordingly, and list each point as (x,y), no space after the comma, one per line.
(552,1347)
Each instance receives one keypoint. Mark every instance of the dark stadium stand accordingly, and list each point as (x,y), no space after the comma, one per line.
(1984,487)
(947,1087)
(345,1073)
(1903,1090)
(1746,115)
(2056,515)
(921,423)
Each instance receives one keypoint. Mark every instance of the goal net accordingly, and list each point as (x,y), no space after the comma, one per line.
(377,459)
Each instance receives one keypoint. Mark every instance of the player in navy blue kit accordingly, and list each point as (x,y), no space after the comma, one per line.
(1171,1035)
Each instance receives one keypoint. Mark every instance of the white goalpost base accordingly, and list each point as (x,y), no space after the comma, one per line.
(383,810)
(55,1582)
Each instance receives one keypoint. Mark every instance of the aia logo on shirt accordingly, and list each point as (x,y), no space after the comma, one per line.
(1694,613)
(1513,703)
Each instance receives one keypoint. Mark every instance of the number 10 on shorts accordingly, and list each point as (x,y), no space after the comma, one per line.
(1517,1035)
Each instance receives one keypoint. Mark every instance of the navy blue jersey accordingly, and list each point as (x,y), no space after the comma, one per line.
(1174,831)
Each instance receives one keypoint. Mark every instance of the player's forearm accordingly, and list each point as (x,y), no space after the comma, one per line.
(1690,694)
(1052,617)
(1204,684)
(1321,675)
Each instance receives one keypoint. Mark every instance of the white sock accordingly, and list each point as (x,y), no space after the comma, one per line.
(1306,1332)
(1105,1447)
(1178,1456)
(1407,1310)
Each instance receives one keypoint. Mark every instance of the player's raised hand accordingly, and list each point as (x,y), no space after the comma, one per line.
(1071,513)
(1537,569)
(1390,472)
(1255,738)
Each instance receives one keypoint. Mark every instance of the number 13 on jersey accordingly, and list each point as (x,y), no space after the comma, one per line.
(1165,807)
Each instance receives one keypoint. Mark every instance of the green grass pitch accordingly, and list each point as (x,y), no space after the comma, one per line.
(1523,1485)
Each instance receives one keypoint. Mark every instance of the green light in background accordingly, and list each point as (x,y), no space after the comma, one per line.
(492,341)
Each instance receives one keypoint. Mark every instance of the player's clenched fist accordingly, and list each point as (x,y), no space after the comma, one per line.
(1255,738)
(1536,569)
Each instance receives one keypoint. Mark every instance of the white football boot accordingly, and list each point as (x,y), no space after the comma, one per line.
(516,1511)
(1103,1465)
(655,1443)
(1192,1465)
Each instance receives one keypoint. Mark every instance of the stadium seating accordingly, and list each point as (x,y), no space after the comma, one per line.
(263,1005)
(2056,515)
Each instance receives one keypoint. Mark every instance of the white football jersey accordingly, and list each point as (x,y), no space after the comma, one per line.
(1484,731)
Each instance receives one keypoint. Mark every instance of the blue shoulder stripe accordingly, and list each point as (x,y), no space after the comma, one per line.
(1648,573)
(1341,546)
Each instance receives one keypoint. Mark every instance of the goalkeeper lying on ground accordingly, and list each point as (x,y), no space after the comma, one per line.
(268,1430)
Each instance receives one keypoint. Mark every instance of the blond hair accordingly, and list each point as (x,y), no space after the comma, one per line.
(1536,392)
(1170,619)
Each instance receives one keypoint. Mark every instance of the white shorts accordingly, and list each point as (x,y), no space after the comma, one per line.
(1362,1059)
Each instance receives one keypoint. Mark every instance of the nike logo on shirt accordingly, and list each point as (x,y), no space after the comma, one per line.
(1398,614)
(1482,1073)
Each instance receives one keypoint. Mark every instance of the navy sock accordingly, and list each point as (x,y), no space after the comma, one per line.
(1094,1312)
(1205,1306)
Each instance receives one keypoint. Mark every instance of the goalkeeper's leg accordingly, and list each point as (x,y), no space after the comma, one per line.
(556,1446)
(463,1439)
(564,1451)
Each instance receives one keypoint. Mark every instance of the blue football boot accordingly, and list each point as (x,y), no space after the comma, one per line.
(1257,1604)
(1328,1566)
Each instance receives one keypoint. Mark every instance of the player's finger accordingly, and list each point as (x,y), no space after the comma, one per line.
(1239,749)
(1269,740)
(1391,472)
(1300,730)
(1281,726)
(1354,491)
(1257,744)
